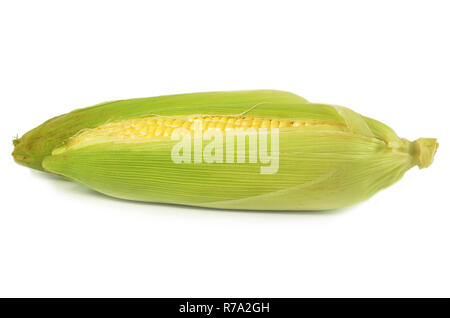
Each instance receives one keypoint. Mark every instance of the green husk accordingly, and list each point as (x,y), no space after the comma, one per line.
(320,167)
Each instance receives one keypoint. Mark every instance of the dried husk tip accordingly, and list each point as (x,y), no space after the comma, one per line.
(424,151)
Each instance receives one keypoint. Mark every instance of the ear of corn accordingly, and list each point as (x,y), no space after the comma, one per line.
(329,156)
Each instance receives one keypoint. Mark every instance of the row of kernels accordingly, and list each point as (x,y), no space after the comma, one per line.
(149,127)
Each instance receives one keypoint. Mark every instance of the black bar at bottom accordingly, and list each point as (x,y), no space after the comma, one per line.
(223,307)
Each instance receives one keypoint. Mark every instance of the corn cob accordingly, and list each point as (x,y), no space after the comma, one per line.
(326,156)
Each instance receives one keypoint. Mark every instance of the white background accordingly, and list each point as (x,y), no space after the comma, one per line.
(385,59)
